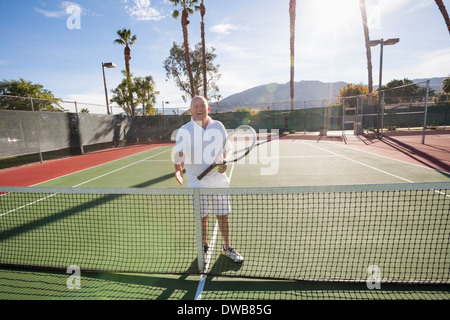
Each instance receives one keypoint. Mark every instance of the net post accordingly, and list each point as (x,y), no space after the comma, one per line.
(198,229)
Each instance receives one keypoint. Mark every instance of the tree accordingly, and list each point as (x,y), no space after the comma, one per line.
(27,89)
(127,40)
(403,90)
(202,27)
(352,90)
(176,69)
(444,95)
(136,91)
(446,85)
(444,12)
(146,94)
(187,9)
(362,6)
(292,8)
(121,96)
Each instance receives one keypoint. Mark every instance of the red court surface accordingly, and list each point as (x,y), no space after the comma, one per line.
(407,146)
(32,174)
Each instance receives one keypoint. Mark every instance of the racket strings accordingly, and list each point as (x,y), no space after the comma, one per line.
(240,143)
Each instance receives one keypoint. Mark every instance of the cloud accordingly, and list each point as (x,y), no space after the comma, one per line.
(430,64)
(224,28)
(61,12)
(142,10)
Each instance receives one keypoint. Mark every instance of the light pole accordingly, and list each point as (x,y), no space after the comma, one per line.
(107,65)
(167,102)
(382,43)
(164,120)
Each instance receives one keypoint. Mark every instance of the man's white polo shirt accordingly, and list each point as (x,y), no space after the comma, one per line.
(200,148)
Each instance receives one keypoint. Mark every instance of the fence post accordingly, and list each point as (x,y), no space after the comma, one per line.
(343,116)
(41,159)
(446,107)
(304,116)
(78,128)
(425,113)
(382,115)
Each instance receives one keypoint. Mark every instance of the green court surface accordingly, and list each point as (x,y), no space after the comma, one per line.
(280,163)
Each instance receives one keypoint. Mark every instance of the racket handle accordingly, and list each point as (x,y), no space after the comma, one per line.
(200,177)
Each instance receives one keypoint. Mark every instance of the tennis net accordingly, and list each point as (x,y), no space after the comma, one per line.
(323,233)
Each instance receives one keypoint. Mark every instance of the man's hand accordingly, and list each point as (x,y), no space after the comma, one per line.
(179,173)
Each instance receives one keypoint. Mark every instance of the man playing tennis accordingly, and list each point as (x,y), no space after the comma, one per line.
(197,144)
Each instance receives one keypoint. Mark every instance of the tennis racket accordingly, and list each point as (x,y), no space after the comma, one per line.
(238,144)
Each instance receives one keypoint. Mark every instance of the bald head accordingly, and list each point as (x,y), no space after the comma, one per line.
(199,99)
(199,109)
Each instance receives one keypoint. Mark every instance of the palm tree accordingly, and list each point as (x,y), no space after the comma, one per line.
(127,40)
(146,94)
(441,6)
(205,83)
(292,7)
(187,6)
(362,6)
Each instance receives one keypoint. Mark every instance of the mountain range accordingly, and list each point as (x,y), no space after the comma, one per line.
(275,93)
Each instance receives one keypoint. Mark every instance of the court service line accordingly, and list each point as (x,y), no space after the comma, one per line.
(402,161)
(361,163)
(201,284)
(389,158)
(124,167)
(100,176)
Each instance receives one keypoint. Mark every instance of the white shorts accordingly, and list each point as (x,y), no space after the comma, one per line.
(216,204)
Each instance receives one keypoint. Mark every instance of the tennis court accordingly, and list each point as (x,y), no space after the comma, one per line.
(318,211)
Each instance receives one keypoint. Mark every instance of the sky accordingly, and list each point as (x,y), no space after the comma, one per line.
(62,44)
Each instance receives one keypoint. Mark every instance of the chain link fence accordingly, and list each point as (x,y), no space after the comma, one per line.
(39,126)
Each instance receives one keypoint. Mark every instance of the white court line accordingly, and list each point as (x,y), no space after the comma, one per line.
(389,158)
(121,168)
(65,175)
(201,284)
(100,176)
(26,205)
(361,163)
(374,168)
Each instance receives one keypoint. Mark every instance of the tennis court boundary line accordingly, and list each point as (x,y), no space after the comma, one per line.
(363,164)
(98,165)
(389,158)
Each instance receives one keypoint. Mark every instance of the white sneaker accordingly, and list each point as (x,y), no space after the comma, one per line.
(232,254)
